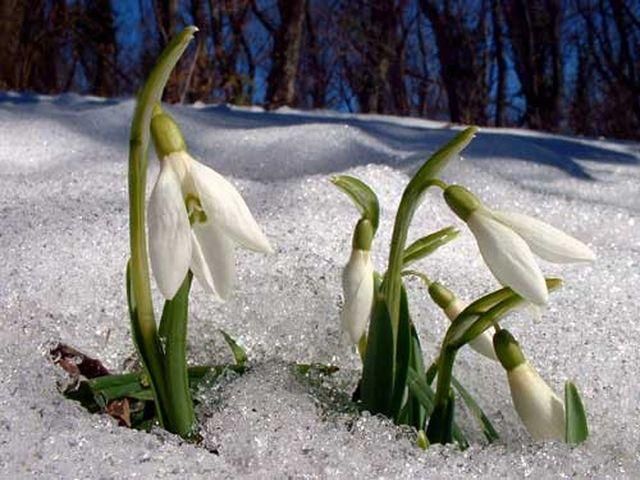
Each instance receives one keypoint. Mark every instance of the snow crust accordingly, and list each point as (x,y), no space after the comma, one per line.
(63,247)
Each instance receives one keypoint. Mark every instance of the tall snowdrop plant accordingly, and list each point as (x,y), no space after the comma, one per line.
(394,379)
(195,218)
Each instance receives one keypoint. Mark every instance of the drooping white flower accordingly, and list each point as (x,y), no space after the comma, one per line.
(195,218)
(539,408)
(358,288)
(508,240)
(537,405)
(483,343)
(452,307)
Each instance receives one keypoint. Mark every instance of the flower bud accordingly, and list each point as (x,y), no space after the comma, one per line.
(358,288)
(539,408)
(452,307)
(167,137)
(461,201)
(363,235)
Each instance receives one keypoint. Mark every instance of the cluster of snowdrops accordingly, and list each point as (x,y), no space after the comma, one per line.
(196,217)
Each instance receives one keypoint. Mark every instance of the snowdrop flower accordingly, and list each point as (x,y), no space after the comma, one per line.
(358,284)
(195,218)
(539,408)
(452,307)
(507,242)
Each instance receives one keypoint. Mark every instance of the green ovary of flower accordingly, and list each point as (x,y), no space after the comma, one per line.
(194,209)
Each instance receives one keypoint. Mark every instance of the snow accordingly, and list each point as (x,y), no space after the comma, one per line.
(63,246)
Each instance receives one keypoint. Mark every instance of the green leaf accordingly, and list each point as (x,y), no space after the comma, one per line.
(429,244)
(421,390)
(377,374)
(173,329)
(362,195)
(131,301)
(417,413)
(576,428)
(469,324)
(439,160)
(239,353)
(403,355)
(426,396)
(487,428)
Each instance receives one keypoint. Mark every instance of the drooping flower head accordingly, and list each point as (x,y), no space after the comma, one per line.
(537,405)
(358,284)
(507,242)
(452,306)
(195,218)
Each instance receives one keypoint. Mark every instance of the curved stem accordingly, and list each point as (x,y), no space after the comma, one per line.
(421,181)
(143,323)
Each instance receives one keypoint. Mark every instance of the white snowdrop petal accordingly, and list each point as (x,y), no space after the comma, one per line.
(539,408)
(218,258)
(169,233)
(508,257)
(483,344)
(200,268)
(358,285)
(546,241)
(225,207)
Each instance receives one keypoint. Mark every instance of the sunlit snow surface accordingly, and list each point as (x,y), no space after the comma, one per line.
(63,246)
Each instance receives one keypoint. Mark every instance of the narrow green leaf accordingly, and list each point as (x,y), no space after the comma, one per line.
(377,383)
(403,355)
(429,244)
(421,390)
(417,413)
(173,330)
(576,428)
(468,325)
(131,301)
(362,195)
(239,353)
(487,428)
(440,158)
(426,396)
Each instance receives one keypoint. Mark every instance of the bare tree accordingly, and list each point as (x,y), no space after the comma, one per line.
(286,53)
(535,34)
(373,54)
(462,51)
(95,41)
(501,62)
(12,18)
(613,39)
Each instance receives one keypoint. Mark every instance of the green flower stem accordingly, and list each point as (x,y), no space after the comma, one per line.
(438,430)
(422,180)
(143,324)
(173,329)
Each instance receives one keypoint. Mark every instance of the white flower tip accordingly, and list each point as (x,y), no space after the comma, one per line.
(539,408)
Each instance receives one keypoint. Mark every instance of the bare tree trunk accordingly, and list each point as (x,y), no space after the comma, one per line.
(12,17)
(462,61)
(501,63)
(97,45)
(534,30)
(286,54)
